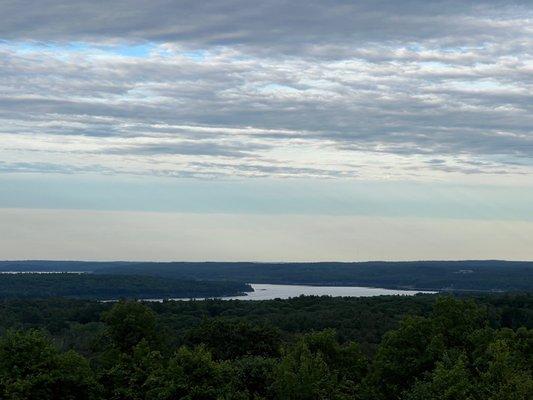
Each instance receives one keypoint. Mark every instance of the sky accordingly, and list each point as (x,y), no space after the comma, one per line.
(266,131)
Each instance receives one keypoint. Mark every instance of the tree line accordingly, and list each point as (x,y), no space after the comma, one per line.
(110,287)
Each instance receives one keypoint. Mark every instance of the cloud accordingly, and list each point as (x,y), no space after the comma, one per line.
(276,23)
(366,89)
(195,148)
(44,167)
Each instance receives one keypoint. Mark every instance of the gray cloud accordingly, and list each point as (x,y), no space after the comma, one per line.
(280,88)
(276,23)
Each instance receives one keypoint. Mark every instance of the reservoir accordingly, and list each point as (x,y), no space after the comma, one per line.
(270,292)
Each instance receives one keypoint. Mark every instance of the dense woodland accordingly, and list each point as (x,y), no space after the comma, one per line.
(106,287)
(429,275)
(414,348)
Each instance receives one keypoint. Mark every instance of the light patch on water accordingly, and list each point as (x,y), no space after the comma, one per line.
(271,292)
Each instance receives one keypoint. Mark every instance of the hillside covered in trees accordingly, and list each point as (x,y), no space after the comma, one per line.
(422,275)
(412,348)
(110,287)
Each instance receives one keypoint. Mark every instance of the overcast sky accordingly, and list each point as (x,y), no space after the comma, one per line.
(404,117)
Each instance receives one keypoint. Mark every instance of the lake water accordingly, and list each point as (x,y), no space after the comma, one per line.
(270,292)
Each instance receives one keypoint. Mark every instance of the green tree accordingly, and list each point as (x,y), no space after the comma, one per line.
(130,375)
(32,368)
(451,380)
(254,375)
(302,375)
(228,340)
(403,355)
(129,322)
(192,374)
(506,368)
(453,321)
(346,360)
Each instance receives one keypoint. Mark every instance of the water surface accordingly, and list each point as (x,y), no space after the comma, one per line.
(270,292)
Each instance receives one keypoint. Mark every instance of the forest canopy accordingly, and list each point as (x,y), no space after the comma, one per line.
(411,348)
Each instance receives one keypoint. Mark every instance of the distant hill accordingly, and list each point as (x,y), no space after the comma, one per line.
(109,287)
(489,275)
(57,266)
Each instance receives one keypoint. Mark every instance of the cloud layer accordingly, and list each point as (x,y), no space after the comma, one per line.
(330,89)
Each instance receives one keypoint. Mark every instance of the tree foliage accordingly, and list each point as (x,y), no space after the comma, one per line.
(455,350)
